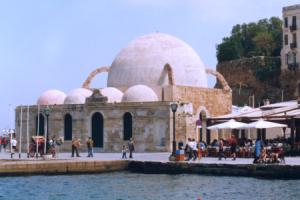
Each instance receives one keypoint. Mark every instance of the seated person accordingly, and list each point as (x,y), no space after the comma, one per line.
(263,155)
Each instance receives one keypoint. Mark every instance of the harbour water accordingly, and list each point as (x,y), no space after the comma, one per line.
(125,185)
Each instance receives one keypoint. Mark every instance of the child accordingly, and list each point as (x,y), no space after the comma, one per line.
(124,149)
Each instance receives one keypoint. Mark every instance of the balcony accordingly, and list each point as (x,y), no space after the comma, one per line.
(293,66)
(293,28)
(293,45)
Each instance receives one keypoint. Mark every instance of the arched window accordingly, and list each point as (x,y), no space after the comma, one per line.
(97,129)
(127,126)
(41,126)
(68,127)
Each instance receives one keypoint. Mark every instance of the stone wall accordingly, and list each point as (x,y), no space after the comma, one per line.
(151,120)
(258,76)
(61,167)
(215,101)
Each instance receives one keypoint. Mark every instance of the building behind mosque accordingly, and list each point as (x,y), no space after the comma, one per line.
(145,77)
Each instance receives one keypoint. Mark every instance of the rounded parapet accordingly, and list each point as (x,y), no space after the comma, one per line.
(220,78)
(91,76)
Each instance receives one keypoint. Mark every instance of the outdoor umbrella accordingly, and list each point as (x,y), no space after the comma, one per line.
(261,124)
(231,124)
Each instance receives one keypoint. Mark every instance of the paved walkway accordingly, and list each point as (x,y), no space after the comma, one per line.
(160,157)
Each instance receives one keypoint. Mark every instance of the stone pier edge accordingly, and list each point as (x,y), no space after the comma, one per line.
(21,168)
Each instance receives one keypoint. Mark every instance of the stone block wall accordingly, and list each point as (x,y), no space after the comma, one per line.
(216,101)
(151,122)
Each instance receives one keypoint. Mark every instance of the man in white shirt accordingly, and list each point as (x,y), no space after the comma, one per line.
(14,147)
(195,149)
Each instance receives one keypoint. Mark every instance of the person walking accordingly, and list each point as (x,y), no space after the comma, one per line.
(257,151)
(189,149)
(124,150)
(4,143)
(0,144)
(221,149)
(75,146)
(233,144)
(14,146)
(195,149)
(131,147)
(90,144)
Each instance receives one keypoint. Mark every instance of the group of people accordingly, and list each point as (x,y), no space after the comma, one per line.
(130,147)
(191,149)
(90,144)
(268,154)
(3,143)
(233,145)
(76,144)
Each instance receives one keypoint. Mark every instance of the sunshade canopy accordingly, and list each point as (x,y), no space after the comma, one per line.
(231,124)
(260,124)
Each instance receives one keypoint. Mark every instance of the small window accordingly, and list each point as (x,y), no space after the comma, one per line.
(286,24)
(127,126)
(68,127)
(286,39)
(294,38)
(287,58)
(40,125)
(294,21)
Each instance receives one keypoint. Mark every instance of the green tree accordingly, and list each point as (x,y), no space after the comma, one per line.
(263,38)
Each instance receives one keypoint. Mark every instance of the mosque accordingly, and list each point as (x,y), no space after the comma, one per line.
(144,78)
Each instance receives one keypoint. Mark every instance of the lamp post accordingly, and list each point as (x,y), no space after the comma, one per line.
(174,109)
(47,113)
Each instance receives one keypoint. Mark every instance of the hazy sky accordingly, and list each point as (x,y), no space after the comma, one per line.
(54,44)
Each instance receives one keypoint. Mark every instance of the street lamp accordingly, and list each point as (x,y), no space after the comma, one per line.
(174,108)
(47,113)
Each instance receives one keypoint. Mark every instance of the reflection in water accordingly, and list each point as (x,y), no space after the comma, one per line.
(124,185)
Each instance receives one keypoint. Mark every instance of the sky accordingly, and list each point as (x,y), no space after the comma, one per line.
(55,44)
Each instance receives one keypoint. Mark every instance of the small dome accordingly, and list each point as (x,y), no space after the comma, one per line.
(113,94)
(51,97)
(139,93)
(78,96)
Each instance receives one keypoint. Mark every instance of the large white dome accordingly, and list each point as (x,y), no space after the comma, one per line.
(142,62)
(112,94)
(139,93)
(51,97)
(78,96)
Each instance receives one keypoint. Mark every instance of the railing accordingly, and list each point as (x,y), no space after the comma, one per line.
(293,45)
(293,27)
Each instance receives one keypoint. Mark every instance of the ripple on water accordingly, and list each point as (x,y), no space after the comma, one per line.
(124,185)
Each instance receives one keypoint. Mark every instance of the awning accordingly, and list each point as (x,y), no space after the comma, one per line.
(231,124)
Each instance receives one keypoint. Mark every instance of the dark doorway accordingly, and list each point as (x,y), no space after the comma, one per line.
(97,129)
(297,126)
(68,127)
(208,138)
(127,123)
(41,125)
(261,134)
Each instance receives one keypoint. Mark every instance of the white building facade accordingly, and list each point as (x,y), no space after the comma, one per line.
(290,55)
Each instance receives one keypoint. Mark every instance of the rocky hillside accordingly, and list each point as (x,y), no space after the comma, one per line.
(258,76)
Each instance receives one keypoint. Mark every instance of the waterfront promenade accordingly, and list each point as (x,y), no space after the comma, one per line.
(155,163)
(155,157)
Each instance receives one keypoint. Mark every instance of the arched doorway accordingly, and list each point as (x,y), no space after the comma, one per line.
(68,127)
(97,129)
(127,126)
(41,126)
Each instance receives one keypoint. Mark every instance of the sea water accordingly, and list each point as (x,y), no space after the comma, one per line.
(126,185)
